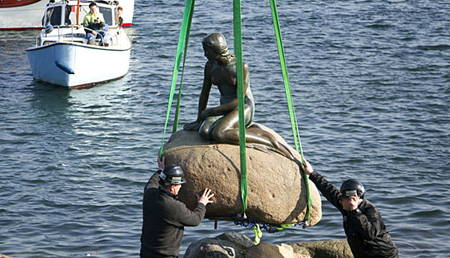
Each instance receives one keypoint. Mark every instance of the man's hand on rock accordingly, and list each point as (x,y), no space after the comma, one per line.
(206,197)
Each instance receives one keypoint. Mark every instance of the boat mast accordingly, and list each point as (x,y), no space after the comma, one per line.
(78,12)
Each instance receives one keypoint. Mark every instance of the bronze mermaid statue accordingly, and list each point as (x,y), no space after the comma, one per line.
(221,123)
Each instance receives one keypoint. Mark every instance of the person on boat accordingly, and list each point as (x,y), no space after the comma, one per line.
(46,17)
(366,232)
(119,16)
(221,123)
(67,15)
(94,24)
(164,216)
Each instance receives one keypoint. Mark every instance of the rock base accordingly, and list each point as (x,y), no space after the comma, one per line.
(276,188)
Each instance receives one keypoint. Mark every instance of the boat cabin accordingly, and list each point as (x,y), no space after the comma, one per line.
(61,14)
(64,12)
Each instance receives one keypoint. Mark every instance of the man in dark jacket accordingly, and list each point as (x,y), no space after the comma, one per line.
(165,216)
(366,233)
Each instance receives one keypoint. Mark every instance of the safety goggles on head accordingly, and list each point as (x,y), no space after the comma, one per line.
(348,194)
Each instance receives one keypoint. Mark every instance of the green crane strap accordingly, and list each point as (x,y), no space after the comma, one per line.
(237,25)
(186,40)
(183,39)
(294,124)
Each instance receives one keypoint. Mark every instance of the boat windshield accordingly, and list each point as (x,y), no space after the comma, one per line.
(54,15)
(84,9)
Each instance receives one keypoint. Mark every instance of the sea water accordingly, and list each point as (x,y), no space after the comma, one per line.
(370,82)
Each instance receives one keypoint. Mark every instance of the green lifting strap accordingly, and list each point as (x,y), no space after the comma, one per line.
(294,124)
(237,25)
(186,40)
(183,39)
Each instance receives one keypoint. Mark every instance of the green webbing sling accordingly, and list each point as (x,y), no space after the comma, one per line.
(186,40)
(237,25)
(183,39)
(294,124)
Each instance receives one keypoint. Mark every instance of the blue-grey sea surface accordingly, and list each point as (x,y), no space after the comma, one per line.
(370,81)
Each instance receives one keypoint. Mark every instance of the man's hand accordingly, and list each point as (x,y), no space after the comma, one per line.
(307,168)
(206,197)
(350,203)
(161,162)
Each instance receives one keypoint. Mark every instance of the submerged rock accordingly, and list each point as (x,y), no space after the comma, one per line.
(267,250)
(241,241)
(323,249)
(212,248)
(276,190)
(227,245)
(233,244)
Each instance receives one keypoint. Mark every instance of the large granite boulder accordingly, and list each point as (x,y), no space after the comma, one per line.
(276,190)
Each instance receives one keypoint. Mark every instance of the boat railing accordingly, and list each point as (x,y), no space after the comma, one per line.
(76,34)
(73,35)
(61,34)
(101,36)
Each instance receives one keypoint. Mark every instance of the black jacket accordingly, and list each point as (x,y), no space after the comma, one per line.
(164,220)
(366,233)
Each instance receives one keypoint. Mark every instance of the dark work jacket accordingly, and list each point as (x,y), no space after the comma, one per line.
(164,218)
(366,233)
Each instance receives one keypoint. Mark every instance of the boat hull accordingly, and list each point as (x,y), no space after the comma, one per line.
(75,65)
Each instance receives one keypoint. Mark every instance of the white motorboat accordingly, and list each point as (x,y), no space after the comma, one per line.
(27,14)
(62,55)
